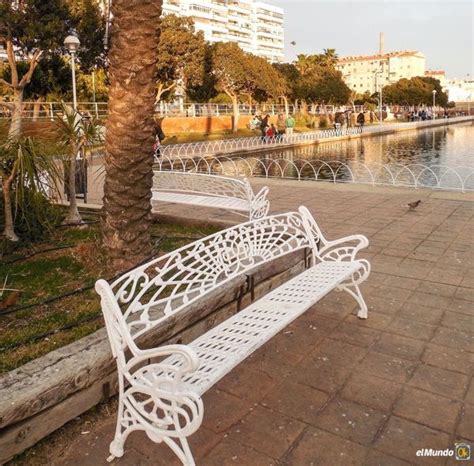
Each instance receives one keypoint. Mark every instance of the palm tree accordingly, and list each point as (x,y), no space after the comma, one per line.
(77,134)
(129,130)
(330,57)
(28,174)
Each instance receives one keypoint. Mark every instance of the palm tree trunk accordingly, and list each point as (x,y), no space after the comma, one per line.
(129,138)
(236,114)
(73,216)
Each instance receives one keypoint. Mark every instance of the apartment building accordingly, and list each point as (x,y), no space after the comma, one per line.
(256,26)
(369,72)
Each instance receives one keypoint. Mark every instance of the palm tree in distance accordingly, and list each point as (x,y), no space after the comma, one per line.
(126,217)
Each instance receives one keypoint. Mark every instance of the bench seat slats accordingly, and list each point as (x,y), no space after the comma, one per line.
(205,201)
(226,345)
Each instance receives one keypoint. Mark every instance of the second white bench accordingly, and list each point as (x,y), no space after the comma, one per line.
(210,191)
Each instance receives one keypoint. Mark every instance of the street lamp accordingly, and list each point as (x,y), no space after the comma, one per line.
(72,43)
(377,73)
(434,103)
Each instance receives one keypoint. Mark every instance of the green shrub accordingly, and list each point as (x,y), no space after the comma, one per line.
(323,122)
(34,218)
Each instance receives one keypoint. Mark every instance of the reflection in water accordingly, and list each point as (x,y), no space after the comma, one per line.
(397,159)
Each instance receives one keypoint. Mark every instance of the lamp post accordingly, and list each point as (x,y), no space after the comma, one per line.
(72,43)
(434,103)
(377,73)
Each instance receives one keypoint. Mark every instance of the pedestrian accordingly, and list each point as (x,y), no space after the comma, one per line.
(281,126)
(270,133)
(159,137)
(361,121)
(290,124)
(264,124)
(255,122)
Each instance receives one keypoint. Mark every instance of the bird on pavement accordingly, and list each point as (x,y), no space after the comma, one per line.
(413,205)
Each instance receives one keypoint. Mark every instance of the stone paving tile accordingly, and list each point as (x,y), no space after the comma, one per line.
(399,346)
(350,420)
(470,393)
(462,307)
(371,391)
(317,447)
(466,426)
(387,367)
(458,321)
(267,431)
(428,409)
(411,329)
(377,458)
(402,438)
(440,381)
(248,384)
(419,313)
(218,402)
(402,282)
(355,335)
(297,401)
(465,293)
(448,358)
(231,453)
(453,339)
(431,300)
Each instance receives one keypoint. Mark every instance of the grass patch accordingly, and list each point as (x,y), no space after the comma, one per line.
(47,272)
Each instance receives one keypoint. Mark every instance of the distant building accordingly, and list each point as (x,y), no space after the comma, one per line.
(3,54)
(460,90)
(359,72)
(256,26)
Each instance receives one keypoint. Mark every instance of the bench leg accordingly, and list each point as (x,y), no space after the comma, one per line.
(352,287)
(354,291)
(125,425)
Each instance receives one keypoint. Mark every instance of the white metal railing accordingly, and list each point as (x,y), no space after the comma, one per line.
(48,110)
(415,175)
(241,144)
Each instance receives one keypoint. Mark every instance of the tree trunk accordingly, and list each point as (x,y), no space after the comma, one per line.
(15,126)
(37,108)
(287,107)
(129,139)
(8,229)
(235,116)
(73,216)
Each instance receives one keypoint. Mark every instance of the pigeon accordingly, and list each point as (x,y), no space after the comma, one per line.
(293,42)
(413,205)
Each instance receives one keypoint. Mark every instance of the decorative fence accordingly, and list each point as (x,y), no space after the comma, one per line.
(48,110)
(243,144)
(335,171)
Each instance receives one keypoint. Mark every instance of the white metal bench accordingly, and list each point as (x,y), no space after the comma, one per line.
(163,398)
(210,191)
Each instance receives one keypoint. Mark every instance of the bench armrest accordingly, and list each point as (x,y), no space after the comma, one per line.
(259,204)
(190,358)
(343,248)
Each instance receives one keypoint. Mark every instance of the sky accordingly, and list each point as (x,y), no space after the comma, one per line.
(442,30)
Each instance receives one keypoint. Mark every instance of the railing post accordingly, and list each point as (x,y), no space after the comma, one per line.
(51,111)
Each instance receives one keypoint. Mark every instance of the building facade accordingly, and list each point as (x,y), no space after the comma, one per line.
(460,90)
(366,73)
(256,26)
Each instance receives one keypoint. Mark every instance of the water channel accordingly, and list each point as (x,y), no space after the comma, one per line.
(440,157)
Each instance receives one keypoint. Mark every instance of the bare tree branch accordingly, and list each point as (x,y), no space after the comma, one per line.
(12,62)
(33,63)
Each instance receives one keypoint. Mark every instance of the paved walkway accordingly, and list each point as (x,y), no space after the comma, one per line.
(334,390)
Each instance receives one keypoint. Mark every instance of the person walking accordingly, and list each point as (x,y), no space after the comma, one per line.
(361,121)
(159,136)
(281,126)
(264,124)
(290,124)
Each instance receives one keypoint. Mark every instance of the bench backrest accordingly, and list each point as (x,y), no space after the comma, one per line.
(149,294)
(199,183)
